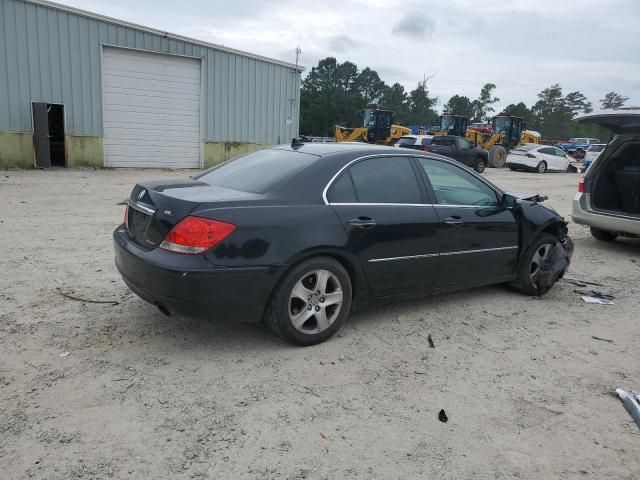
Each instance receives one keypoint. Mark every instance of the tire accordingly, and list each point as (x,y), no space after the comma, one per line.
(298,313)
(497,156)
(480,165)
(542,167)
(529,266)
(603,235)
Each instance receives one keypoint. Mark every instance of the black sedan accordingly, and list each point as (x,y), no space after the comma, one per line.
(299,235)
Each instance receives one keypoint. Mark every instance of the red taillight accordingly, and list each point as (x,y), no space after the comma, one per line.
(195,235)
(581,186)
(126,216)
(425,149)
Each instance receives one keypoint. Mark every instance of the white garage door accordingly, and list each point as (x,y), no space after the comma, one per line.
(151,109)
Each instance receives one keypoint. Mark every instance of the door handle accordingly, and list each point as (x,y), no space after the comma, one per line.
(455,220)
(362,222)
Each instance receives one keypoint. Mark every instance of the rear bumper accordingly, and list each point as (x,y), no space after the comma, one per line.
(582,214)
(520,166)
(238,294)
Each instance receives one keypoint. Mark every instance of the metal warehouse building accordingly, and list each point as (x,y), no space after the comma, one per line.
(77,88)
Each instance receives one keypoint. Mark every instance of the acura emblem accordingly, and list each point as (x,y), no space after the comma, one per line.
(141,194)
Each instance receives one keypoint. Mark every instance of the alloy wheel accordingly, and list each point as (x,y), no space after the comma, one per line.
(539,256)
(315,301)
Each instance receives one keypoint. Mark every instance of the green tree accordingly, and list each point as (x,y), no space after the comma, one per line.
(421,105)
(613,100)
(576,102)
(517,110)
(459,105)
(550,115)
(395,98)
(370,86)
(482,106)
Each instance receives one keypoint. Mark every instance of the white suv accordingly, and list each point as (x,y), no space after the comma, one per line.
(608,198)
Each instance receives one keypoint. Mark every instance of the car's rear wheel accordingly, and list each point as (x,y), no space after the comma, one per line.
(311,302)
(480,165)
(603,235)
(529,269)
(542,167)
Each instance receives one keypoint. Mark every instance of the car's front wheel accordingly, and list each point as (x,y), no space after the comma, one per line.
(527,280)
(480,165)
(311,302)
(603,235)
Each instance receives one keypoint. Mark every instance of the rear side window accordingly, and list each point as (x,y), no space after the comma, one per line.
(445,142)
(547,151)
(342,190)
(385,180)
(258,172)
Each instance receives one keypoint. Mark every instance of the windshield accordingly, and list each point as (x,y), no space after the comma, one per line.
(257,172)
(596,148)
(501,124)
(447,122)
(526,147)
(407,141)
(369,119)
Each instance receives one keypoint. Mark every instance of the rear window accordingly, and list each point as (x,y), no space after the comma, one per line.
(443,141)
(526,148)
(257,172)
(406,141)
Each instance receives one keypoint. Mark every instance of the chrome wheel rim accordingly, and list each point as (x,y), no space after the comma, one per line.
(541,167)
(315,301)
(537,260)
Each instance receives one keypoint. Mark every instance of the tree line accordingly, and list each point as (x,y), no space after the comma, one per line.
(334,93)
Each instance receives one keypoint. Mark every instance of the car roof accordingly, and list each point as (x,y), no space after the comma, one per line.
(322,149)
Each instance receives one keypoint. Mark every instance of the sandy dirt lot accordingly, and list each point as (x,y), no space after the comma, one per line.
(120,391)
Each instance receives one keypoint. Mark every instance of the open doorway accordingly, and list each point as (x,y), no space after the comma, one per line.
(48,134)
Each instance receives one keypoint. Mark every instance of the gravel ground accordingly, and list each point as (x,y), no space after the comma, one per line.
(114,391)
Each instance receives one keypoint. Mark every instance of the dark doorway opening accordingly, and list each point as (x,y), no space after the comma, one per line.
(48,134)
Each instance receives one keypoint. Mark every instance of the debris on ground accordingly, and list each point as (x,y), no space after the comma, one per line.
(630,403)
(78,299)
(442,416)
(601,339)
(430,340)
(579,282)
(596,296)
(65,354)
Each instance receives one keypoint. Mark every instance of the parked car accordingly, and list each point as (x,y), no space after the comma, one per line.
(298,235)
(534,157)
(593,151)
(608,198)
(577,146)
(415,142)
(459,149)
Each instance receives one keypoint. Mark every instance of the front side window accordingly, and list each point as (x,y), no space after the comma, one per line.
(385,180)
(547,151)
(559,153)
(454,186)
(342,190)
(462,143)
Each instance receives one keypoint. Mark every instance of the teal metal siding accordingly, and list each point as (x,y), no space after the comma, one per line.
(52,55)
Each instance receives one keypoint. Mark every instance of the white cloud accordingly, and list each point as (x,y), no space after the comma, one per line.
(522,46)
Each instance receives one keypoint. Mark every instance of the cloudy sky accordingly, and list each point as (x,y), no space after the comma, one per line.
(522,46)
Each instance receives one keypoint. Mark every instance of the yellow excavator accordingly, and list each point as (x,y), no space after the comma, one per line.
(377,127)
(506,132)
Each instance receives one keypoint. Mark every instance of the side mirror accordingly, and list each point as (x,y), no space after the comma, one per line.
(508,202)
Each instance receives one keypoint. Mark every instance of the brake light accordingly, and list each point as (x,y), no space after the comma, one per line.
(581,186)
(425,149)
(126,216)
(194,235)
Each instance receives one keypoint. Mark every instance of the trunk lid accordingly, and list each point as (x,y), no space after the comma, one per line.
(156,207)
(621,121)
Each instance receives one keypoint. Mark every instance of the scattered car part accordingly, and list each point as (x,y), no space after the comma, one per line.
(630,404)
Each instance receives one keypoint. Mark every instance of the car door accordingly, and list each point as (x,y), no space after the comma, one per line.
(561,160)
(548,156)
(479,237)
(390,225)
(465,153)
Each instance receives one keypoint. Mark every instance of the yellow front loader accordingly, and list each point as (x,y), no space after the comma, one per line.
(377,128)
